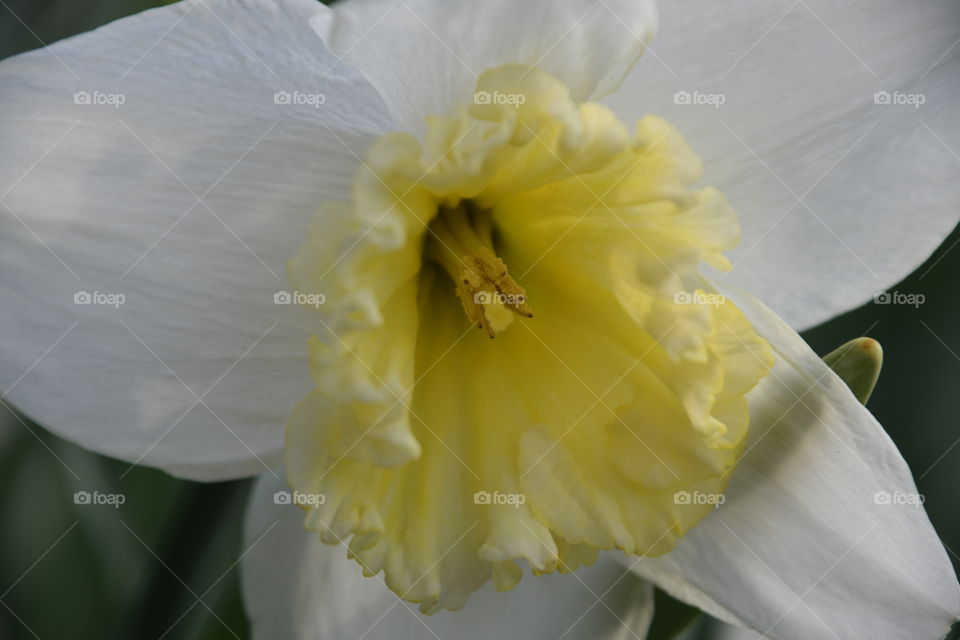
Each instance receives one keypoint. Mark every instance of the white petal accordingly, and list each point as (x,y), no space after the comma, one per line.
(729,632)
(425,55)
(806,546)
(840,198)
(188,198)
(297,588)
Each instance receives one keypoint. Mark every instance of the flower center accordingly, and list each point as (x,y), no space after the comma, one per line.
(461,241)
(448,460)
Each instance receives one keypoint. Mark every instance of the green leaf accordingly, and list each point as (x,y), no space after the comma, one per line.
(954,632)
(670,616)
(858,364)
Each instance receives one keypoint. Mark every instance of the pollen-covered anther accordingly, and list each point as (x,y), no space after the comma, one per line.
(488,293)
(462,243)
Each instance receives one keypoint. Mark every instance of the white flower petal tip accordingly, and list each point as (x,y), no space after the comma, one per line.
(823,533)
(297,588)
(151,196)
(590,46)
(832,129)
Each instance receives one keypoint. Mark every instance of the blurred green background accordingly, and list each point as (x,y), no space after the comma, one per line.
(164,564)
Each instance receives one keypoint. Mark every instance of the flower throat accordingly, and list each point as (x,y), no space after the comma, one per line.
(461,241)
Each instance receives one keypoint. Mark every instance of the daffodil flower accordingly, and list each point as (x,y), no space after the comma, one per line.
(515,336)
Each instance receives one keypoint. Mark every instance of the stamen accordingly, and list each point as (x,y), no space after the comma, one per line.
(461,241)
